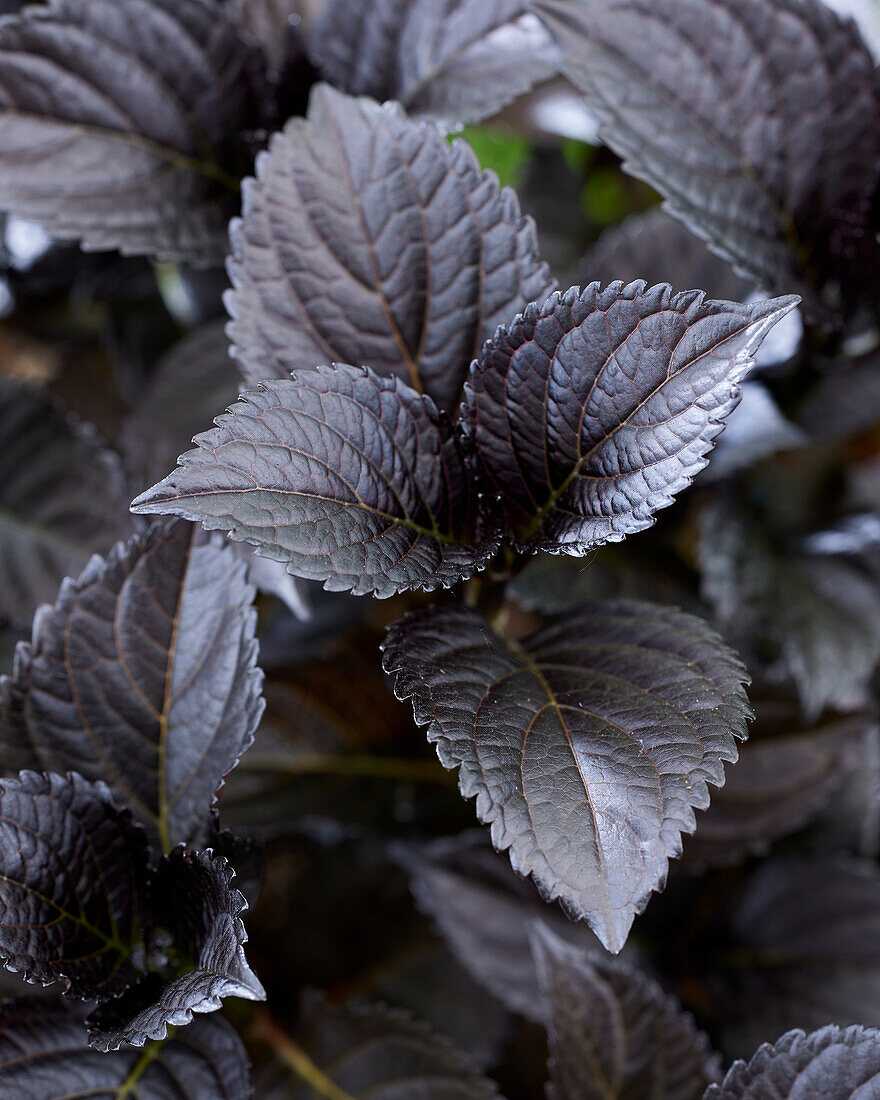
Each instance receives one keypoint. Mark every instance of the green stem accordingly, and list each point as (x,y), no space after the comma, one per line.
(140,1067)
(296,1059)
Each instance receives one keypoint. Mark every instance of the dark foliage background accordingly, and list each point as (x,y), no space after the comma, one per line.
(390,951)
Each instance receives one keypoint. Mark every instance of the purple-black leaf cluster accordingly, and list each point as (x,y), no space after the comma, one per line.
(553,326)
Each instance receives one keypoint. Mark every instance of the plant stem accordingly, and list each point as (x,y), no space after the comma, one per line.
(371,767)
(140,1067)
(296,1059)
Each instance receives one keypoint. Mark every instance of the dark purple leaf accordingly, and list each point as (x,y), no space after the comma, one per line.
(831,1064)
(62,498)
(72,883)
(551,583)
(196,379)
(194,900)
(427,982)
(587,746)
(796,946)
(866,17)
(613,1032)
(373,1053)
(451,60)
(142,675)
(485,913)
(807,618)
(119,128)
(268,22)
(591,412)
(44,1054)
(776,169)
(348,477)
(658,249)
(778,785)
(845,400)
(367,239)
(756,430)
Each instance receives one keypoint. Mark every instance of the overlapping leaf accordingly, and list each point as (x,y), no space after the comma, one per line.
(809,618)
(587,746)
(62,498)
(613,1032)
(348,477)
(318,753)
(194,900)
(121,129)
(591,412)
(866,14)
(188,386)
(658,249)
(831,1064)
(268,22)
(382,1054)
(367,239)
(845,399)
(72,883)
(755,430)
(44,1053)
(452,60)
(778,785)
(427,982)
(485,914)
(806,936)
(551,583)
(776,171)
(142,675)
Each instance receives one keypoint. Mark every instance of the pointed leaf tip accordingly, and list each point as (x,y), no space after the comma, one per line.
(591,413)
(553,735)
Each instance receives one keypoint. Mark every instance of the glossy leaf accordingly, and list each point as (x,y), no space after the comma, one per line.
(194,900)
(367,239)
(587,746)
(452,60)
(188,386)
(72,883)
(776,171)
(142,675)
(382,1054)
(778,785)
(346,476)
(62,498)
(44,1053)
(121,130)
(831,1064)
(614,1032)
(657,248)
(590,413)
